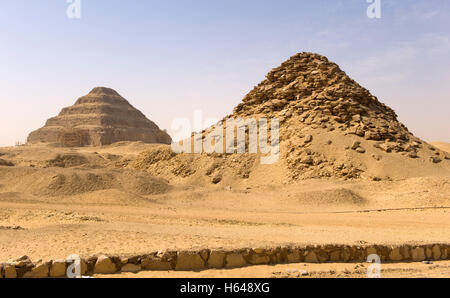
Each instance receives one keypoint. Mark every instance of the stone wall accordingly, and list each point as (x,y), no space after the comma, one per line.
(23,267)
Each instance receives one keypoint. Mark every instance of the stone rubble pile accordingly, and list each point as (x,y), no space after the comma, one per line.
(320,93)
(311,95)
(330,127)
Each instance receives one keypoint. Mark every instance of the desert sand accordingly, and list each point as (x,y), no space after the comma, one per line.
(90,212)
(442,145)
(349,173)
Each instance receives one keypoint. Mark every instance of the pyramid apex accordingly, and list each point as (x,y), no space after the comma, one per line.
(103,91)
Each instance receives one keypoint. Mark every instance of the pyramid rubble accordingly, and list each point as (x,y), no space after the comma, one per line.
(330,127)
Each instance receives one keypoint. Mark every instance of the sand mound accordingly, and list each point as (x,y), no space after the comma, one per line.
(333,197)
(54,182)
(100,118)
(330,126)
(207,168)
(6,163)
(442,145)
(67,161)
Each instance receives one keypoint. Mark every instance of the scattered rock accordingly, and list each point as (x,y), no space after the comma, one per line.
(308,139)
(6,163)
(15,228)
(216,179)
(21,262)
(435,159)
(412,154)
(360,150)
(355,145)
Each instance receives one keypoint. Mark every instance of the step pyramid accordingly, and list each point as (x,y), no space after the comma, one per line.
(102,117)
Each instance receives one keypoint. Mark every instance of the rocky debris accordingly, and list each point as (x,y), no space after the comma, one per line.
(100,118)
(6,163)
(308,139)
(436,159)
(318,97)
(23,261)
(412,154)
(22,265)
(310,86)
(316,104)
(355,145)
(105,265)
(67,161)
(15,228)
(360,150)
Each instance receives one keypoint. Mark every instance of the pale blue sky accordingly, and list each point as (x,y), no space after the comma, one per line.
(169,58)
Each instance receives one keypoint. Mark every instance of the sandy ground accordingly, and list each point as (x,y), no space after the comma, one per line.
(442,145)
(439,269)
(46,219)
(382,213)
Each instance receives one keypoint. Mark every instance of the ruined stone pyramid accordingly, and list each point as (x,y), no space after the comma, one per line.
(330,127)
(100,118)
(317,90)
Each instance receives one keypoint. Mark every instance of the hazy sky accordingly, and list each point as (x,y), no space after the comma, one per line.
(169,58)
